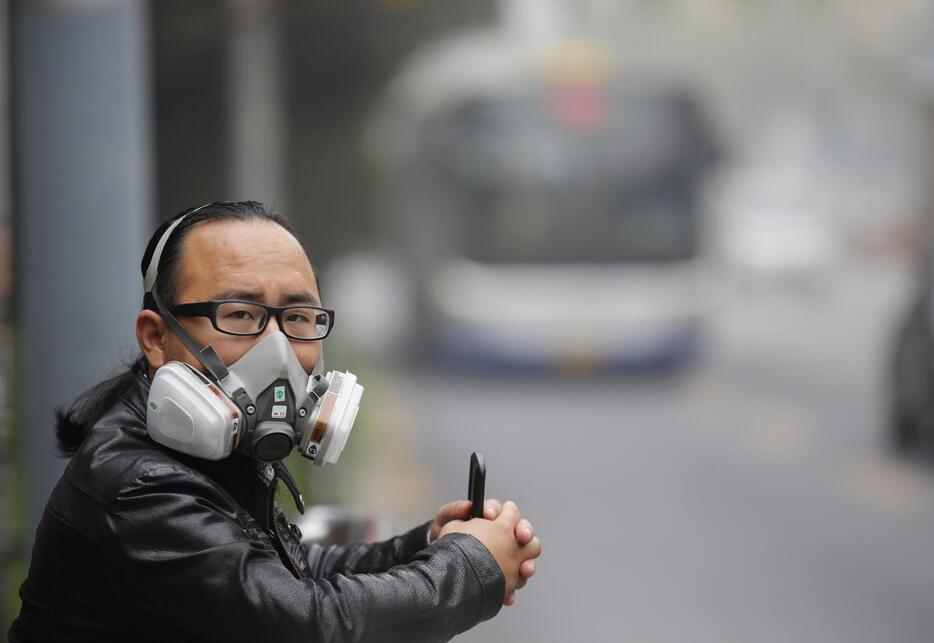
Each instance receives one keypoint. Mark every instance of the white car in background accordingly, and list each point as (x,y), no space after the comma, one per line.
(772,223)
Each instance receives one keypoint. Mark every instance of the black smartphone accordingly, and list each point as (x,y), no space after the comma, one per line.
(476,484)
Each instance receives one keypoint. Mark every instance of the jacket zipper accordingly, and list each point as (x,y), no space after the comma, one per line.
(269,475)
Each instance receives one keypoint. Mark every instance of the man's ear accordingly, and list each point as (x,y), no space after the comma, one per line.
(150,333)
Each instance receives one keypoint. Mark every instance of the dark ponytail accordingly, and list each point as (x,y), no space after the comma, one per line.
(74,423)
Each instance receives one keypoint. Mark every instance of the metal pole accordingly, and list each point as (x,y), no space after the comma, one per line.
(7,504)
(256,103)
(82,206)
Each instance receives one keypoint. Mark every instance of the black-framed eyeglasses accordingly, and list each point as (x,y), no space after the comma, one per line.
(235,317)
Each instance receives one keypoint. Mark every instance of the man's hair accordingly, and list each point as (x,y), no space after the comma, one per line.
(74,423)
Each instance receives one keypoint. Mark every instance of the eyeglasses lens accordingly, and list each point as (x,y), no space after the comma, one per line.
(305,323)
(240,318)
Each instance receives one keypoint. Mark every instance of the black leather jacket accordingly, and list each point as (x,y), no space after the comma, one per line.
(140,543)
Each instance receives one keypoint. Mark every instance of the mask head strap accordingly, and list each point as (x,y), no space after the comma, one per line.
(152,270)
(204,354)
(319,365)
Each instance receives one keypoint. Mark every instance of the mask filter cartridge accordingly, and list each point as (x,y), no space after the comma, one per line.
(188,413)
(325,434)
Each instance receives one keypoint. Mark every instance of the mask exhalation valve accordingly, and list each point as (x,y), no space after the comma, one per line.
(272,441)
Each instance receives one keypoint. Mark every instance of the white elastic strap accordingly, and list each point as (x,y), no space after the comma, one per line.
(153,270)
(319,365)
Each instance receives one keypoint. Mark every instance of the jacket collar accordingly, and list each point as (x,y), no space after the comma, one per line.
(136,396)
(237,473)
(245,479)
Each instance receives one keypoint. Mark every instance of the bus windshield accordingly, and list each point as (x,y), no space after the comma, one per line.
(569,175)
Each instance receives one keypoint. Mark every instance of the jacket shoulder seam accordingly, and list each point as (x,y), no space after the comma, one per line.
(85,491)
(69,525)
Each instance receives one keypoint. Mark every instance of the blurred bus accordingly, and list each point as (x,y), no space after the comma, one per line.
(555,221)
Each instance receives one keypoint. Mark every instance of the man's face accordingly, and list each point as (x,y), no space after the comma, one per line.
(252,261)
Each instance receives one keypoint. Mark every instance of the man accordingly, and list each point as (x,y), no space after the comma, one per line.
(143,542)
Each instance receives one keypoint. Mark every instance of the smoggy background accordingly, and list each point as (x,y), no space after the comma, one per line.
(651,258)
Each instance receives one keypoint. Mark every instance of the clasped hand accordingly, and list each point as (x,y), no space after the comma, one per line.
(508,536)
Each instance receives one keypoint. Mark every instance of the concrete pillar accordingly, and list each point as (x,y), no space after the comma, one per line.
(81,210)
(257,119)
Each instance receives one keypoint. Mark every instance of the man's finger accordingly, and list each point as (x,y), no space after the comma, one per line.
(524,532)
(461,509)
(510,513)
(491,508)
(527,568)
(533,549)
(510,599)
(457,510)
(447,511)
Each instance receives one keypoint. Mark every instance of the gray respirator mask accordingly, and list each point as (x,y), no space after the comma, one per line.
(263,405)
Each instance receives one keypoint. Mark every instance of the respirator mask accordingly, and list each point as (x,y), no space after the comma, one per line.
(263,405)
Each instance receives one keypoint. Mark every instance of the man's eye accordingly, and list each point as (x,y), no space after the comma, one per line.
(244,315)
(298,318)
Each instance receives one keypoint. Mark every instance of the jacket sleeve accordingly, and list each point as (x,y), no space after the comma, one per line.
(179,557)
(369,558)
